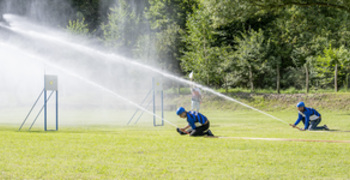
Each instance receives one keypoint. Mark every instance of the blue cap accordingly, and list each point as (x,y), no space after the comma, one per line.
(301,104)
(180,110)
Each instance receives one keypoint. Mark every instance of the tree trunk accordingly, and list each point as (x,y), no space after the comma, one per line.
(307,79)
(278,80)
(336,78)
(208,79)
(347,82)
(206,58)
(251,79)
(226,85)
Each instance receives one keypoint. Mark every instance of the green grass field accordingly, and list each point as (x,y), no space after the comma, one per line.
(146,152)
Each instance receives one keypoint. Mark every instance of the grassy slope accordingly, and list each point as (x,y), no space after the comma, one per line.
(144,152)
(268,102)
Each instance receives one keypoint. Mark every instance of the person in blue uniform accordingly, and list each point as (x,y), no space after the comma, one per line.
(310,117)
(198,124)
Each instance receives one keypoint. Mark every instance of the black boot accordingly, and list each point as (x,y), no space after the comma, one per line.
(326,128)
(209,133)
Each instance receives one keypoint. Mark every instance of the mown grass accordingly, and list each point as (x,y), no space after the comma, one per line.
(146,152)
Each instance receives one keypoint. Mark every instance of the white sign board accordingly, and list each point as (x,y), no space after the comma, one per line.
(159,85)
(50,82)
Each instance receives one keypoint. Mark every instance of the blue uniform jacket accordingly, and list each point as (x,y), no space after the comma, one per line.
(307,112)
(193,117)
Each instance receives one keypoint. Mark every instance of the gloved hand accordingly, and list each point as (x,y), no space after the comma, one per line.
(180,132)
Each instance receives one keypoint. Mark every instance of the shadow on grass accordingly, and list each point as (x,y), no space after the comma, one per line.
(338,130)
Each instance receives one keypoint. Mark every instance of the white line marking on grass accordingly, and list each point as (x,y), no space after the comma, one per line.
(282,139)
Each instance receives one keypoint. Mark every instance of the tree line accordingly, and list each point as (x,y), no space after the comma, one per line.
(255,44)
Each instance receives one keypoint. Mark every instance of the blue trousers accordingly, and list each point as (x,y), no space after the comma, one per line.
(313,125)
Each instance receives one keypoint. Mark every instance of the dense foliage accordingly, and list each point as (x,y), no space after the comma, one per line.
(256,44)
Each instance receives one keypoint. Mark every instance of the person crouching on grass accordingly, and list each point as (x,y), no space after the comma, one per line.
(193,118)
(310,117)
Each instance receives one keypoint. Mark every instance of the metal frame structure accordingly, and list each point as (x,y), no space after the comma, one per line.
(154,91)
(50,84)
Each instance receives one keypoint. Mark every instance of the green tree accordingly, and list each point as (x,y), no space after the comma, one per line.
(167,20)
(123,28)
(250,53)
(90,10)
(78,27)
(303,34)
(334,58)
(275,4)
(301,57)
(206,36)
(200,55)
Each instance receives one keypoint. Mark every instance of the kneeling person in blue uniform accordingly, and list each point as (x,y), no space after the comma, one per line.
(193,118)
(310,117)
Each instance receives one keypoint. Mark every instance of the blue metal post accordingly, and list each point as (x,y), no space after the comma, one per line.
(41,109)
(45,110)
(154,101)
(56,110)
(162,108)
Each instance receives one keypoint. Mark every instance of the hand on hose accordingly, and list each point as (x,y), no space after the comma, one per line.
(294,126)
(182,129)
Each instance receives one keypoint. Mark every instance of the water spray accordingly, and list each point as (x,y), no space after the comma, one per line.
(120,59)
(92,83)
